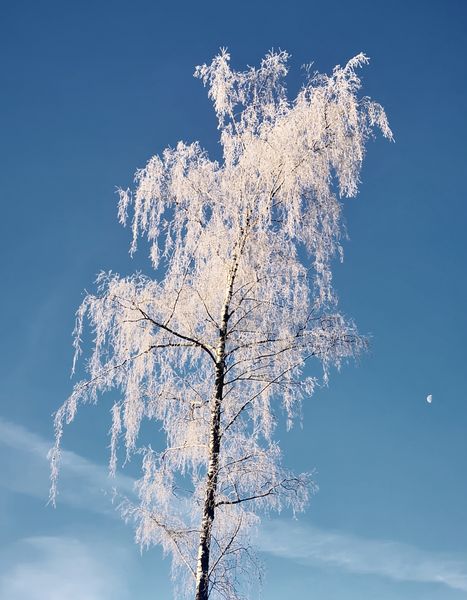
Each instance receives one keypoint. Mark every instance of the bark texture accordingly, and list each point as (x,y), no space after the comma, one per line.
(202,568)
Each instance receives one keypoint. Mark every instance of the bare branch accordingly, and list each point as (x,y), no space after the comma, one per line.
(194,341)
(287,484)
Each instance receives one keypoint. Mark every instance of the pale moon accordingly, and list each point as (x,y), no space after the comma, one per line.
(429,398)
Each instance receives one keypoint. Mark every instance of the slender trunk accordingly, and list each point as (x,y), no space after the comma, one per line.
(202,570)
(204,548)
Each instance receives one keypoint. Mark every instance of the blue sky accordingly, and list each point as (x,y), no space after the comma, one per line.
(90,92)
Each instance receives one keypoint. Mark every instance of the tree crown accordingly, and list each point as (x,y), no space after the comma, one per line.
(243,250)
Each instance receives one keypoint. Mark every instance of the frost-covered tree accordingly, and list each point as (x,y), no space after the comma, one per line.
(217,339)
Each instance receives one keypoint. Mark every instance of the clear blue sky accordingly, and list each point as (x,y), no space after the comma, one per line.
(90,90)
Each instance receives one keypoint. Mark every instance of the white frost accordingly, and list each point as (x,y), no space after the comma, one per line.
(266,219)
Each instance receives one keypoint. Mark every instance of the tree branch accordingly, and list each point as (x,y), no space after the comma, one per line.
(284,483)
(248,402)
(187,338)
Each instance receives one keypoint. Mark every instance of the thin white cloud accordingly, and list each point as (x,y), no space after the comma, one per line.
(87,485)
(401,562)
(59,568)
(83,484)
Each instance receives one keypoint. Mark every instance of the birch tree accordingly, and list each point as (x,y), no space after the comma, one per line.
(214,345)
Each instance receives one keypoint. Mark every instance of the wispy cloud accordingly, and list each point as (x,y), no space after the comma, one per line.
(87,485)
(400,562)
(54,568)
(25,469)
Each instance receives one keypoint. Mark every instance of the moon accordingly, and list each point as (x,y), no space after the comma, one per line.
(429,399)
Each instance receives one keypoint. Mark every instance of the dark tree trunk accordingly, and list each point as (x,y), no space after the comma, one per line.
(202,570)
(204,548)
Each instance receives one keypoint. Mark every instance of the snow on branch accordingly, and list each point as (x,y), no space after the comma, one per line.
(239,306)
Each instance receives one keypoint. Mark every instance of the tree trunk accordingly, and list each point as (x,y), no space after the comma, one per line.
(202,570)
(204,549)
